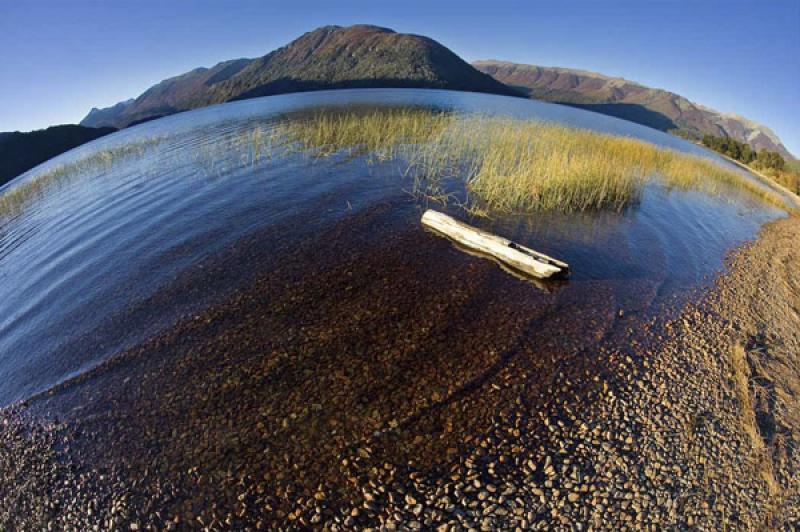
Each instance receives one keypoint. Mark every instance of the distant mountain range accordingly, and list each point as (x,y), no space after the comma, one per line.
(368,56)
(619,97)
(22,151)
(330,57)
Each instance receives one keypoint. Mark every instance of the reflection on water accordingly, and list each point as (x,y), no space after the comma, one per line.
(98,259)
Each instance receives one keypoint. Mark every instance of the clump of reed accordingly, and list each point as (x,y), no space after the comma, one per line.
(518,165)
(513,165)
(14,199)
(380,133)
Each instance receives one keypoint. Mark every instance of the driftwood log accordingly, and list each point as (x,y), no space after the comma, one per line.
(518,257)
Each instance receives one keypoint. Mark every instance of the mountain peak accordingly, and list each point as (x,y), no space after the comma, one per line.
(355,27)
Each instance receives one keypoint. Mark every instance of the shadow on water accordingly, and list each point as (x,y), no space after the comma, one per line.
(289,85)
(629,111)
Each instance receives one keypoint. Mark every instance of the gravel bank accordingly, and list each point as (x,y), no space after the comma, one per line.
(261,413)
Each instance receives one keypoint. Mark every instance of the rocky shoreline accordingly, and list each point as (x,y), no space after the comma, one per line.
(658,422)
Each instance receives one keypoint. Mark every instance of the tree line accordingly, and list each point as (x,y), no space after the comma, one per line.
(742,152)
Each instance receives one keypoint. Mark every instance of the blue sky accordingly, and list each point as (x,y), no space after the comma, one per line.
(58,59)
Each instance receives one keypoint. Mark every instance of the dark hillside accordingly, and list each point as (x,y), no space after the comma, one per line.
(20,152)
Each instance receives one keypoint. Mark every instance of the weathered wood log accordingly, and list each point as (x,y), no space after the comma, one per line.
(514,255)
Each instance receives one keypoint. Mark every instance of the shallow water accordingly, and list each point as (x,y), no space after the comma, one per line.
(102,259)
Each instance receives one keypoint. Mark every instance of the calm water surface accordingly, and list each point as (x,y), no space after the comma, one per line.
(106,257)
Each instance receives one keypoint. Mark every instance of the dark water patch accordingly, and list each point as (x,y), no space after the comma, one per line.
(369,338)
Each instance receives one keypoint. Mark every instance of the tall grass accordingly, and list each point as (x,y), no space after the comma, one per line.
(514,165)
(15,198)
(520,166)
(504,164)
(381,133)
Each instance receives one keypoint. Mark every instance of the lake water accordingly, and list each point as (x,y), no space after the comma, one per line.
(108,255)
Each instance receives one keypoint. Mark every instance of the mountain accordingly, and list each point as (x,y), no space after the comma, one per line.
(97,117)
(334,57)
(632,101)
(20,152)
(330,57)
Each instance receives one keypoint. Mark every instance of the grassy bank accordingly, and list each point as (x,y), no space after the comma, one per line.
(513,165)
(789,177)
